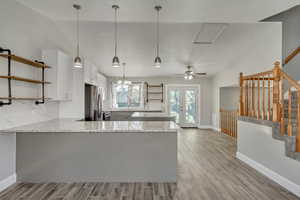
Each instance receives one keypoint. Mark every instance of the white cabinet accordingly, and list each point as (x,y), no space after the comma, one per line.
(60,75)
(90,73)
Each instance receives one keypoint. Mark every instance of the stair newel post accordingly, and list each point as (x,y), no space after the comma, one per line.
(276,92)
(241,108)
(298,123)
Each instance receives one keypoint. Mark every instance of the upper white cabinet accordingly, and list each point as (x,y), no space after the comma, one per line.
(60,75)
(90,73)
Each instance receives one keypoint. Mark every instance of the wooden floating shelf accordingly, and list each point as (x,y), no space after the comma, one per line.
(153,92)
(23,98)
(154,85)
(17,78)
(155,99)
(25,61)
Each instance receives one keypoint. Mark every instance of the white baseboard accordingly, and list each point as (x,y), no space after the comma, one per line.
(204,126)
(209,127)
(216,129)
(284,182)
(8,182)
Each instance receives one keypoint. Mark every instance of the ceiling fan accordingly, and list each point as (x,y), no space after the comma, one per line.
(189,74)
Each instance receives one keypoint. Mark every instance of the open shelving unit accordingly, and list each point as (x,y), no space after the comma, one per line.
(154,95)
(37,64)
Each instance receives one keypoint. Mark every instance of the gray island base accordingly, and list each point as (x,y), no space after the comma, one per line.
(100,152)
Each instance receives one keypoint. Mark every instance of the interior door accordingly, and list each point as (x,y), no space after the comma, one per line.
(183,105)
(189,108)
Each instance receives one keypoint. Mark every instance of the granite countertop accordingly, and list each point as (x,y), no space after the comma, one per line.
(75,126)
(150,114)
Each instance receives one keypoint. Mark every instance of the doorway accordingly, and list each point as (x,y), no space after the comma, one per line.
(183,104)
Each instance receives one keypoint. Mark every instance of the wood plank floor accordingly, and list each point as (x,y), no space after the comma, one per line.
(207,169)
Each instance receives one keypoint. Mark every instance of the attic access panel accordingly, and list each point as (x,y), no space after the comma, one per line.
(209,33)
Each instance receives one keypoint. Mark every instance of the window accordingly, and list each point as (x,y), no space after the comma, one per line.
(127,96)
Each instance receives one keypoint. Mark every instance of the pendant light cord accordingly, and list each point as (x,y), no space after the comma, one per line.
(157,33)
(78,32)
(116,30)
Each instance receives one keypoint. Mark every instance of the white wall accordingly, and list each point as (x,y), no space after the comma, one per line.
(258,149)
(261,45)
(26,33)
(205,93)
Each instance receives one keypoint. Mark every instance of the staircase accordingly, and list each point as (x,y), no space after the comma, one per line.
(273,97)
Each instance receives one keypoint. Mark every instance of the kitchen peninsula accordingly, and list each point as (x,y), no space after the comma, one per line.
(68,150)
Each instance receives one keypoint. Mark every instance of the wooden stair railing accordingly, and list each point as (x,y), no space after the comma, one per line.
(262,97)
(228,122)
(291,56)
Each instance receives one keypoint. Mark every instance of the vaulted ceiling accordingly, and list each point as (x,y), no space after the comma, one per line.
(173,10)
(183,21)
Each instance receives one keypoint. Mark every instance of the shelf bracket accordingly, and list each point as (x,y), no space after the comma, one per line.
(43,84)
(9,79)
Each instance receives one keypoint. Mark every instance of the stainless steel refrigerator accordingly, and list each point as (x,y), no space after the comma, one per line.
(93,103)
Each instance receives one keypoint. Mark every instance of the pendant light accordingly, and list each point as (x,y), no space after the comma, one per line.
(116,60)
(123,81)
(77,60)
(157,60)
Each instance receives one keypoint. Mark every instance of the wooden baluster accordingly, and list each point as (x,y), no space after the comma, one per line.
(263,100)
(225,122)
(234,128)
(290,128)
(282,120)
(253,98)
(250,97)
(276,92)
(228,126)
(241,108)
(258,98)
(298,123)
(246,100)
(269,98)
(231,121)
(230,131)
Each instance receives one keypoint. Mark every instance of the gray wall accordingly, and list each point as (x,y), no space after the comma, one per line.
(256,146)
(229,98)
(97,157)
(290,38)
